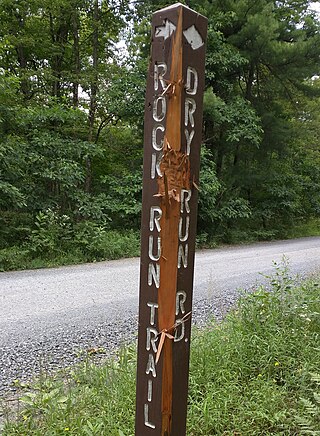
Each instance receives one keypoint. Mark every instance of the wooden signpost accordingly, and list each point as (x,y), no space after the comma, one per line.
(173,129)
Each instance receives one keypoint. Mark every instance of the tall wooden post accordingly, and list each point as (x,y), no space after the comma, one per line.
(173,128)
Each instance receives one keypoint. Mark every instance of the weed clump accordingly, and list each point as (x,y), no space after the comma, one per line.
(255,373)
(249,372)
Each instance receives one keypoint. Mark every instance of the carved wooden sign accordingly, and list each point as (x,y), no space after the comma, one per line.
(173,130)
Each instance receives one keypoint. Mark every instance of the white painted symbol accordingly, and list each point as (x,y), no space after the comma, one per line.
(193,37)
(166,30)
(146,417)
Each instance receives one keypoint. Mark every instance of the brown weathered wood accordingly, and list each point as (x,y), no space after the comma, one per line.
(173,125)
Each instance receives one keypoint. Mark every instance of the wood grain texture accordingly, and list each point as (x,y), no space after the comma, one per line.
(173,126)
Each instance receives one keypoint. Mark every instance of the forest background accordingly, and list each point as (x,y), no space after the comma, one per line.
(71,125)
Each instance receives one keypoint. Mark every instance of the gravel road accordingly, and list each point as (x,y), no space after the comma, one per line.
(49,318)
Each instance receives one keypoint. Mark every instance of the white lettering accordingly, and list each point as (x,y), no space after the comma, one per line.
(155,165)
(154,273)
(189,111)
(183,256)
(151,341)
(189,138)
(151,366)
(163,109)
(178,337)
(149,391)
(185,202)
(158,76)
(186,236)
(155,221)
(157,146)
(153,307)
(192,75)
(180,300)
(157,256)
(146,417)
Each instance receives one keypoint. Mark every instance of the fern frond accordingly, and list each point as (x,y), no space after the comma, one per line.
(315,377)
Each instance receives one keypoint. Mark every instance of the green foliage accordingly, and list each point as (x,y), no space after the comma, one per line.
(52,234)
(124,199)
(210,189)
(79,403)
(14,258)
(217,209)
(96,243)
(310,420)
(54,239)
(14,228)
(304,228)
(255,104)
(247,375)
(55,243)
(250,371)
(71,119)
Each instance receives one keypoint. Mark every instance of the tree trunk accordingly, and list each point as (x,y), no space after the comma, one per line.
(236,155)
(76,54)
(219,154)
(59,38)
(24,85)
(93,89)
(250,80)
(22,59)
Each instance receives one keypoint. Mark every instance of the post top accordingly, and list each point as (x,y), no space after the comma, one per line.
(177,5)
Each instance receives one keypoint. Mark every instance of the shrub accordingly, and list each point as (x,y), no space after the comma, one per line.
(12,258)
(97,243)
(52,233)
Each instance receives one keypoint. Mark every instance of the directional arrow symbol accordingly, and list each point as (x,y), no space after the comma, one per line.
(193,37)
(166,30)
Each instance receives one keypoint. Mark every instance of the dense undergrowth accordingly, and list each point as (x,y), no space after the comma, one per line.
(256,373)
(54,240)
(71,125)
(88,242)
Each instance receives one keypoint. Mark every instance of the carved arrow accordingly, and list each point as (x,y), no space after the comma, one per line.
(191,34)
(166,30)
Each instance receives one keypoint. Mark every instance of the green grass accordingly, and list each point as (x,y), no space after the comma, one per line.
(250,375)
(249,372)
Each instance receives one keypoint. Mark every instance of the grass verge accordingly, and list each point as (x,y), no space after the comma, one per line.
(253,374)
